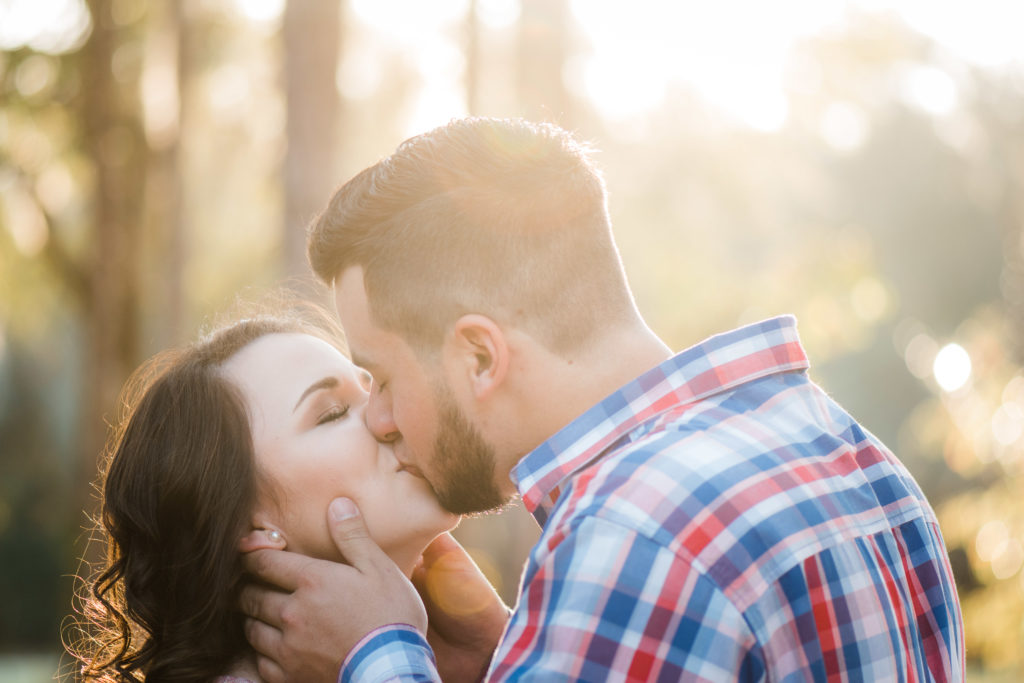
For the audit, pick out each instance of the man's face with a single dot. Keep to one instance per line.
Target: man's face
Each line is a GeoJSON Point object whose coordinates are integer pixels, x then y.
{"type": "Point", "coordinates": [411, 407]}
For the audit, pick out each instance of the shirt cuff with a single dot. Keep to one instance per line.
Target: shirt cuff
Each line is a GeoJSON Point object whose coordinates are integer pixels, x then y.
{"type": "Point", "coordinates": [395, 652]}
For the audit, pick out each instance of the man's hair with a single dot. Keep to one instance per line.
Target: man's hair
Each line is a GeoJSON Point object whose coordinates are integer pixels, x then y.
{"type": "Point", "coordinates": [505, 218]}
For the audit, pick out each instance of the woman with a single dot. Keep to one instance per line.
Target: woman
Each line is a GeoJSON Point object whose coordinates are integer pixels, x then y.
{"type": "Point", "coordinates": [255, 428]}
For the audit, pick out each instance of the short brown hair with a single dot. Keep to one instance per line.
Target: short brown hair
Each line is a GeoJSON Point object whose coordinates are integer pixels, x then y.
{"type": "Point", "coordinates": [501, 217]}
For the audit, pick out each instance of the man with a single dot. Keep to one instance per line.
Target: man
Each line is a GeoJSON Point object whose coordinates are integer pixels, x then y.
{"type": "Point", "coordinates": [710, 515]}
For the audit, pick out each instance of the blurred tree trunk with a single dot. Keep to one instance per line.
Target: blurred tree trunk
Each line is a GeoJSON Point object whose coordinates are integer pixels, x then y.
{"type": "Point", "coordinates": [473, 59]}
{"type": "Point", "coordinates": [1011, 158]}
{"type": "Point", "coordinates": [171, 70]}
{"type": "Point", "coordinates": [177, 244]}
{"type": "Point", "coordinates": [311, 43]}
{"type": "Point", "coordinates": [114, 140]}
{"type": "Point", "coordinates": [544, 38]}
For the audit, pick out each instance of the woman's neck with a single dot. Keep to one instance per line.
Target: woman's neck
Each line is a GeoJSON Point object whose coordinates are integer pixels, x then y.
{"type": "Point", "coordinates": [245, 668]}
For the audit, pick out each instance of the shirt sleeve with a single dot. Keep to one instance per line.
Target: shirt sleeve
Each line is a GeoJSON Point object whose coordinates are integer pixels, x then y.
{"type": "Point", "coordinates": [390, 654]}
{"type": "Point", "coordinates": [602, 602]}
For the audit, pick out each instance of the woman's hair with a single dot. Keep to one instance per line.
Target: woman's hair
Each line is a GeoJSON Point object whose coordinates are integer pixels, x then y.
{"type": "Point", "coordinates": [178, 485]}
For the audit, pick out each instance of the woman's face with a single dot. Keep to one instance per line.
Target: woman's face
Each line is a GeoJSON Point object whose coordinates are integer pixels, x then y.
{"type": "Point", "coordinates": [306, 404]}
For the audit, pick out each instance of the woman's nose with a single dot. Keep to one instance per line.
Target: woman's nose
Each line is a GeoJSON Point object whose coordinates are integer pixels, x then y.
{"type": "Point", "coordinates": [380, 418]}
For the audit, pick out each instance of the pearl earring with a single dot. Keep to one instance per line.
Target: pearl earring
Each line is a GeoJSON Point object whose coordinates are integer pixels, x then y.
{"type": "Point", "coordinates": [275, 536]}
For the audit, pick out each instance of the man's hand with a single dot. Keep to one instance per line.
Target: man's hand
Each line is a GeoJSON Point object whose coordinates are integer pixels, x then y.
{"type": "Point", "coordinates": [466, 616]}
{"type": "Point", "coordinates": [312, 612]}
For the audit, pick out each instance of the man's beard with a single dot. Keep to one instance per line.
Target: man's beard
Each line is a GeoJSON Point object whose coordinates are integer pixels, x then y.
{"type": "Point", "coordinates": [463, 462]}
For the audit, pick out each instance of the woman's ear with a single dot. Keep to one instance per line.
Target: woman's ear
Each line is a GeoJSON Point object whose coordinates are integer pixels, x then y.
{"type": "Point", "coordinates": [262, 535]}
{"type": "Point", "coordinates": [480, 353]}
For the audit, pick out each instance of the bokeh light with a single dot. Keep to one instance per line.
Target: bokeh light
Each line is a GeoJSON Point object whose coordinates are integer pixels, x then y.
{"type": "Point", "coordinates": [952, 367]}
{"type": "Point", "coordinates": [869, 299]}
{"type": "Point", "coordinates": [984, 32]}
{"type": "Point", "coordinates": [49, 26]}
{"type": "Point", "coordinates": [844, 126]}
{"type": "Point", "coordinates": [264, 11]}
{"type": "Point", "coordinates": [497, 14]}
{"type": "Point", "coordinates": [1008, 561]}
{"type": "Point", "coordinates": [929, 89]}
{"type": "Point", "coordinates": [26, 223]}
{"type": "Point", "coordinates": [991, 539]}
{"type": "Point", "coordinates": [1008, 424]}
{"type": "Point", "coordinates": [737, 54]}
{"type": "Point", "coordinates": [919, 355]}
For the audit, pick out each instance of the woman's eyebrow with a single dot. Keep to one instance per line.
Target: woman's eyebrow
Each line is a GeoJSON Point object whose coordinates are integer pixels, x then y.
{"type": "Point", "coordinates": [325, 383]}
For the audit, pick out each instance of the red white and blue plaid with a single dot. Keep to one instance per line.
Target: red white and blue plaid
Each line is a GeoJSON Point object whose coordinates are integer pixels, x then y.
{"type": "Point", "coordinates": [721, 518]}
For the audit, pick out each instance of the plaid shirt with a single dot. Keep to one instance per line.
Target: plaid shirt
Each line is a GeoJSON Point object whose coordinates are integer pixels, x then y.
{"type": "Point", "coordinates": [720, 518]}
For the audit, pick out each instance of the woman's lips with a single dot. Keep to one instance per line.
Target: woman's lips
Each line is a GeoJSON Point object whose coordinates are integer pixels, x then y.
{"type": "Point", "coordinates": [414, 471]}
{"type": "Point", "coordinates": [410, 469]}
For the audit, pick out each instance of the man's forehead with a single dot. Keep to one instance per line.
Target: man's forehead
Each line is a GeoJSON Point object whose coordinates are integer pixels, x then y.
{"type": "Point", "coordinates": [361, 350]}
{"type": "Point", "coordinates": [366, 342]}
{"type": "Point", "coordinates": [363, 361]}
{"type": "Point", "coordinates": [350, 294]}
{"type": "Point", "coordinates": [352, 307]}
{"type": "Point", "coordinates": [373, 349]}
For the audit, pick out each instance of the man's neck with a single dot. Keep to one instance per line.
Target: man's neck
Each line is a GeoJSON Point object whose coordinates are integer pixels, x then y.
{"type": "Point", "coordinates": [552, 390]}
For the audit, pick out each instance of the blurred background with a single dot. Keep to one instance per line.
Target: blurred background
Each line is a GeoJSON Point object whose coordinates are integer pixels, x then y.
{"type": "Point", "coordinates": [859, 164]}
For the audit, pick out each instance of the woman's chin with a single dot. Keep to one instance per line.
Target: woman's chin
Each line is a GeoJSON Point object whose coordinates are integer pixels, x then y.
{"type": "Point", "coordinates": [453, 521]}
{"type": "Point", "coordinates": [404, 552]}
{"type": "Point", "coordinates": [408, 556]}
{"type": "Point", "coordinates": [407, 559]}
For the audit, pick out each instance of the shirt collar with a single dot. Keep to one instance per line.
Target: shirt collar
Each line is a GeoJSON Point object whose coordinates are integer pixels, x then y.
{"type": "Point", "coordinates": [717, 364]}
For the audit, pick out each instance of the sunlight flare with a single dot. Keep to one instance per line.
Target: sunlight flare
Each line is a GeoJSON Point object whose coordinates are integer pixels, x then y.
{"type": "Point", "coordinates": [952, 367]}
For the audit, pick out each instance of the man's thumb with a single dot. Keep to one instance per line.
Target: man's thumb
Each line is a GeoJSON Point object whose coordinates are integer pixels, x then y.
{"type": "Point", "coordinates": [348, 530]}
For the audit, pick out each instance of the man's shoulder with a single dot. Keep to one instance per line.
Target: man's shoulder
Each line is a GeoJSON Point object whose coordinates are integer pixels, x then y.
{"type": "Point", "coordinates": [723, 484]}
{"type": "Point", "coordinates": [706, 448]}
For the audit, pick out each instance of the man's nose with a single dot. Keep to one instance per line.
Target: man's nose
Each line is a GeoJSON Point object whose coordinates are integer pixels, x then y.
{"type": "Point", "coordinates": [380, 418]}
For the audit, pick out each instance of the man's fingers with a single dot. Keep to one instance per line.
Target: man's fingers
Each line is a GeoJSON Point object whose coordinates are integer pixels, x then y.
{"type": "Point", "coordinates": [350, 535]}
{"type": "Point", "coordinates": [278, 567]}
{"type": "Point", "coordinates": [266, 640]}
{"type": "Point", "coordinates": [270, 672]}
{"type": "Point", "coordinates": [439, 547]}
{"type": "Point", "coordinates": [263, 603]}
{"type": "Point", "coordinates": [309, 613]}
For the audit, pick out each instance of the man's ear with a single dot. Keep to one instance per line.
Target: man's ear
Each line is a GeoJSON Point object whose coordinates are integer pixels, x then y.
{"type": "Point", "coordinates": [480, 353]}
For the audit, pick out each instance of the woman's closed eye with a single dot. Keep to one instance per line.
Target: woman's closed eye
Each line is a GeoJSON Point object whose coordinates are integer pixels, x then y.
{"type": "Point", "coordinates": [335, 412]}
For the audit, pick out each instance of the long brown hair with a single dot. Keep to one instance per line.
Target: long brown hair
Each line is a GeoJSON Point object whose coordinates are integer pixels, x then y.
{"type": "Point", "coordinates": [178, 485]}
